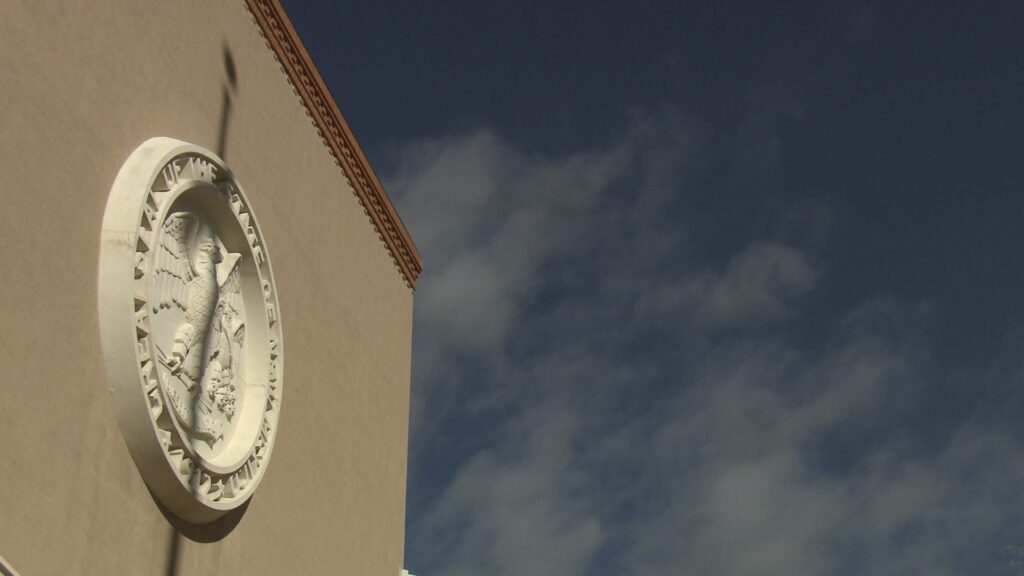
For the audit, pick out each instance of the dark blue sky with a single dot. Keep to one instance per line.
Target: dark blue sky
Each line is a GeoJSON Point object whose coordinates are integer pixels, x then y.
{"type": "Point", "coordinates": [702, 277]}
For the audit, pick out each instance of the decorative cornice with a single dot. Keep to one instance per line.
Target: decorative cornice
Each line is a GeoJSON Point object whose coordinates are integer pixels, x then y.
{"type": "Point", "coordinates": [284, 41]}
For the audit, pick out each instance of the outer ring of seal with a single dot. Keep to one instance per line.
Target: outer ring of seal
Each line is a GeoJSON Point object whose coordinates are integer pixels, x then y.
{"type": "Point", "coordinates": [130, 225]}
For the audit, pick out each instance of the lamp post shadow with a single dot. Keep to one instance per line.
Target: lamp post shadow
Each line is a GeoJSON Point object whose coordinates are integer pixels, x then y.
{"type": "Point", "coordinates": [202, 533]}
{"type": "Point", "coordinates": [231, 87]}
{"type": "Point", "coordinates": [221, 527]}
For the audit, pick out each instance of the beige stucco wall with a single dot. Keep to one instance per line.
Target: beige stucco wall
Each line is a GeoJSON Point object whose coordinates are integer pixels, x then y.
{"type": "Point", "coordinates": [83, 84]}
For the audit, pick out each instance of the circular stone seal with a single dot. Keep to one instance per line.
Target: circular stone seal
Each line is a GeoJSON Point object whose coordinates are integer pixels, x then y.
{"type": "Point", "coordinates": [190, 328]}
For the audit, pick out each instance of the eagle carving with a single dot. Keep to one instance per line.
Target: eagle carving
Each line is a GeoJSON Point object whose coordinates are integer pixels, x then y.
{"type": "Point", "coordinates": [196, 275]}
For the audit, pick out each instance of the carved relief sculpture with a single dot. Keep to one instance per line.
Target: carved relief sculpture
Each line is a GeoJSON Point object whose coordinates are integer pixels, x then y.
{"type": "Point", "coordinates": [191, 332]}
{"type": "Point", "coordinates": [194, 274]}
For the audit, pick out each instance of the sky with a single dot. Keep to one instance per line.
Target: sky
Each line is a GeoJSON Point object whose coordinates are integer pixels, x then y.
{"type": "Point", "coordinates": [728, 288]}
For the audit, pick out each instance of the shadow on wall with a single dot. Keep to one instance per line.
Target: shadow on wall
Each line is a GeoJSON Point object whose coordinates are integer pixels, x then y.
{"type": "Point", "coordinates": [231, 87]}
{"type": "Point", "coordinates": [220, 528]}
{"type": "Point", "coordinates": [203, 533]}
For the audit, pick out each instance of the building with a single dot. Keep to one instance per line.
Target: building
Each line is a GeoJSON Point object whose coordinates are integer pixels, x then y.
{"type": "Point", "coordinates": [85, 85]}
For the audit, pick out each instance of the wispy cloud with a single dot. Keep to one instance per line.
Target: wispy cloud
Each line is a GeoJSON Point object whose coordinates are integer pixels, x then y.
{"type": "Point", "coordinates": [610, 401]}
{"type": "Point", "coordinates": [757, 286]}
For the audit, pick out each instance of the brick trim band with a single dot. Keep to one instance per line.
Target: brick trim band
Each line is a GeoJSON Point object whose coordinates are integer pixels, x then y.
{"type": "Point", "coordinates": [284, 41]}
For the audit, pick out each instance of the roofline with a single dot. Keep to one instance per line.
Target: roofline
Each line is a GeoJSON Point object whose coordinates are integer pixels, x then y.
{"type": "Point", "coordinates": [284, 41]}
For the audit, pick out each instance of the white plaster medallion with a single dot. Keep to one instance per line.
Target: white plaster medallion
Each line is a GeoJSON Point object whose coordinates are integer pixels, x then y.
{"type": "Point", "coordinates": [190, 328]}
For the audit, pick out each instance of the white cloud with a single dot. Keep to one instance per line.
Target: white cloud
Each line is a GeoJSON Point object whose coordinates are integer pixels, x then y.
{"type": "Point", "coordinates": [523, 509]}
{"type": "Point", "coordinates": [489, 219]}
{"type": "Point", "coordinates": [649, 413]}
{"type": "Point", "coordinates": [757, 286]}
